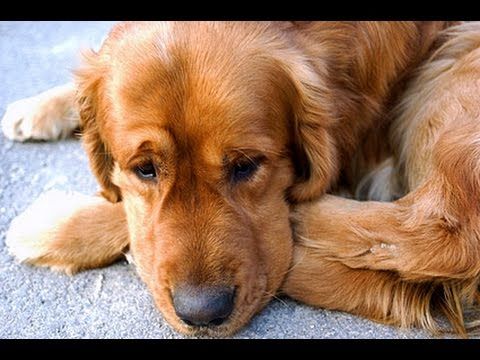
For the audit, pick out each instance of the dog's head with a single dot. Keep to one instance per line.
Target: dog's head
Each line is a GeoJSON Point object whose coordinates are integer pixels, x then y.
{"type": "Point", "coordinates": [207, 132]}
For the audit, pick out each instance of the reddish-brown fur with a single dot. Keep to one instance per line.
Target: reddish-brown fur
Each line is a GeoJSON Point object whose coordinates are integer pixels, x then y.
{"type": "Point", "coordinates": [313, 101]}
{"type": "Point", "coordinates": [428, 240]}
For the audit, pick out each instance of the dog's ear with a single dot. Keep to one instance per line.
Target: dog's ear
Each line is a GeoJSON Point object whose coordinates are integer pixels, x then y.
{"type": "Point", "coordinates": [312, 119]}
{"type": "Point", "coordinates": [89, 82]}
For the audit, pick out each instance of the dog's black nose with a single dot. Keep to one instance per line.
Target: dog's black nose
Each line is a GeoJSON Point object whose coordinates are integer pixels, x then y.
{"type": "Point", "coordinates": [202, 306]}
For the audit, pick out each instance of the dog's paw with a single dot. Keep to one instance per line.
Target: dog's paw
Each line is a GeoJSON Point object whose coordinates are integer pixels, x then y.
{"type": "Point", "coordinates": [32, 236]}
{"type": "Point", "coordinates": [29, 119]}
{"type": "Point", "coordinates": [47, 116]}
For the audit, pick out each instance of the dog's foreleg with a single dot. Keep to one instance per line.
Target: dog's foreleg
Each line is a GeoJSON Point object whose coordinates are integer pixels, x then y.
{"type": "Point", "coordinates": [377, 295]}
{"type": "Point", "coordinates": [425, 255]}
{"type": "Point", "coordinates": [50, 115]}
{"type": "Point", "coordinates": [418, 240]}
{"type": "Point", "coordinates": [69, 232]}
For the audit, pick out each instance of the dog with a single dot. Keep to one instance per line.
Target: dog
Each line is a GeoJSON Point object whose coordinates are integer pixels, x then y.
{"type": "Point", "coordinates": [334, 162]}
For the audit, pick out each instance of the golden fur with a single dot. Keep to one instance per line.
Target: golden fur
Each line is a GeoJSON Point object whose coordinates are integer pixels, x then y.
{"type": "Point", "coordinates": [313, 105]}
{"type": "Point", "coordinates": [428, 240]}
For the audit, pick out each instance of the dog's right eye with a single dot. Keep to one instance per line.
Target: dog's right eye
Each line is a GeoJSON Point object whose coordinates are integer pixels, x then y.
{"type": "Point", "coordinates": [146, 171]}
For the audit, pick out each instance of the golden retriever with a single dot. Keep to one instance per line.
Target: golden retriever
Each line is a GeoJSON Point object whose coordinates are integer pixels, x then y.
{"type": "Point", "coordinates": [215, 145]}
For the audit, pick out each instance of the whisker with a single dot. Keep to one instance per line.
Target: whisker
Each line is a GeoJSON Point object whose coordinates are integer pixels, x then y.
{"type": "Point", "coordinates": [294, 265]}
{"type": "Point", "coordinates": [248, 157]}
{"type": "Point", "coordinates": [283, 302]}
{"type": "Point", "coordinates": [307, 242]}
{"type": "Point", "coordinates": [278, 153]}
{"type": "Point", "coordinates": [101, 153]}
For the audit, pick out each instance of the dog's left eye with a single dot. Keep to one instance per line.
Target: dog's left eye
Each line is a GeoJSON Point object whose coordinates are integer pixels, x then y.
{"type": "Point", "coordinates": [244, 170]}
{"type": "Point", "coordinates": [146, 171]}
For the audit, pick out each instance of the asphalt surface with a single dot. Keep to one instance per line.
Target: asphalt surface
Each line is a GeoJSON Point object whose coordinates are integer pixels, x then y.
{"type": "Point", "coordinates": [110, 302]}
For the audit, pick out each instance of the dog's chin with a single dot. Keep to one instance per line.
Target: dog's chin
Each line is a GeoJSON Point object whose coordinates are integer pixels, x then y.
{"type": "Point", "coordinates": [240, 317]}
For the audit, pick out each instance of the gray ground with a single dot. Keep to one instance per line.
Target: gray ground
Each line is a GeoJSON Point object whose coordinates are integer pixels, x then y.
{"type": "Point", "coordinates": [110, 302]}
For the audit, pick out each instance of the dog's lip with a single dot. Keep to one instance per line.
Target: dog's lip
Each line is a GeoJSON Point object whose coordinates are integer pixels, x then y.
{"type": "Point", "coordinates": [222, 330]}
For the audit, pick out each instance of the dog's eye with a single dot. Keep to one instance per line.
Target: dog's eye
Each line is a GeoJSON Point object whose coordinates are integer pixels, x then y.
{"type": "Point", "coordinates": [146, 171]}
{"type": "Point", "coordinates": [244, 170]}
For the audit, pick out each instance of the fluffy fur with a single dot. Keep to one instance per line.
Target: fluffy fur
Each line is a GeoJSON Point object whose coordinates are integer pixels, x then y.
{"type": "Point", "coordinates": [429, 239]}
{"type": "Point", "coordinates": [313, 104]}
{"type": "Point", "coordinates": [68, 232]}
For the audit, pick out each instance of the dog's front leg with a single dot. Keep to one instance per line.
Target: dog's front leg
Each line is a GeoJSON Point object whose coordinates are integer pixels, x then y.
{"type": "Point", "coordinates": [50, 115]}
{"type": "Point", "coordinates": [378, 295]}
{"type": "Point", "coordinates": [389, 262]}
{"type": "Point", "coordinates": [357, 234]}
{"type": "Point", "coordinates": [408, 236]}
{"type": "Point", "coordinates": [69, 232]}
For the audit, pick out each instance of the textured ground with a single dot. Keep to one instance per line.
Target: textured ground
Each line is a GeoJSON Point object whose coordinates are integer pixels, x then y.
{"type": "Point", "coordinates": [110, 302]}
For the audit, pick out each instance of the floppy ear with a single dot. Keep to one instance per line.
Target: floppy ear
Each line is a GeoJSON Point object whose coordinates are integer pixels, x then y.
{"type": "Point", "coordinates": [89, 82]}
{"type": "Point", "coordinates": [314, 150]}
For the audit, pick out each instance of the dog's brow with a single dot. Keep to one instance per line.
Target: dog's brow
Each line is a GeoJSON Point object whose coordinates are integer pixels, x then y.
{"type": "Point", "coordinates": [158, 141]}
{"type": "Point", "coordinates": [269, 151]}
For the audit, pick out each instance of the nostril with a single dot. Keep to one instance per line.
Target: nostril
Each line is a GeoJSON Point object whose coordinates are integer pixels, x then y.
{"type": "Point", "coordinates": [203, 306]}
{"type": "Point", "coordinates": [218, 321]}
{"type": "Point", "coordinates": [186, 321]}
